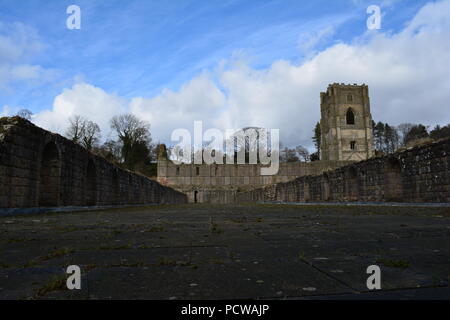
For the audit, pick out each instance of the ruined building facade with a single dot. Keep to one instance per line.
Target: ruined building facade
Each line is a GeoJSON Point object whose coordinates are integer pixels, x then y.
{"type": "Point", "coordinates": [346, 123]}
{"type": "Point", "coordinates": [219, 183]}
{"type": "Point", "coordinates": [346, 126]}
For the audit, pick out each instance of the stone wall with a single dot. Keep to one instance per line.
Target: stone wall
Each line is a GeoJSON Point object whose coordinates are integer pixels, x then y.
{"type": "Point", "coordinates": [42, 169]}
{"type": "Point", "coordinates": [218, 183]}
{"type": "Point", "coordinates": [420, 174]}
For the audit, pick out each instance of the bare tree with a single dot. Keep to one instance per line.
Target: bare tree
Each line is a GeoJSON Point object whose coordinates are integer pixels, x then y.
{"type": "Point", "coordinates": [391, 138]}
{"type": "Point", "coordinates": [91, 135]}
{"type": "Point", "coordinates": [302, 153]}
{"type": "Point", "coordinates": [404, 129]}
{"type": "Point", "coordinates": [291, 155]}
{"type": "Point", "coordinates": [130, 129]}
{"type": "Point", "coordinates": [135, 139]}
{"type": "Point", "coordinates": [24, 113]}
{"type": "Point", "coordinates": [76, 128]}
{"type": "Point", "coordinates": [83, 132]}
{"type": "Point", "coordinates": [109, 150]}
{"type": "Point", "coordinates": [288, 154]}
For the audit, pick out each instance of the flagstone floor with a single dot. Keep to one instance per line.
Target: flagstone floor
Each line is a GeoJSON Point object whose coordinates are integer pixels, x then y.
{"type": "Point", "coordinates": [266, 251]}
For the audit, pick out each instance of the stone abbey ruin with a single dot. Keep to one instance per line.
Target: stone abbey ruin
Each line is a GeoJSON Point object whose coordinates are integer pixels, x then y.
{"type": "Point", "coordinates": [421, 174]}
{"type": "Point", "coordinates": [219, 183]}
{"type": "Point", "coordinates": [42, 169]}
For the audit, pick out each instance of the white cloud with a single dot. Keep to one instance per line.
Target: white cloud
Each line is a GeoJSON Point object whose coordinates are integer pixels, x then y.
{"type": "Point", "coordinates": [199, 99]}
{"type": "Point", "coordinates": [6, 111]}
{"type": "Point", "coordinates": [19, 43]}
{"type": "Point", "coordinates": [82, 99]}
{"type": "Point", "coordinates": [407, 74]}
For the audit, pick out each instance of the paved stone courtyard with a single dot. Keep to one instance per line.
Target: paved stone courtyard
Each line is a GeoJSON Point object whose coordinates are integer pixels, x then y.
{"type": "Point", "coordinates": [267, 251]}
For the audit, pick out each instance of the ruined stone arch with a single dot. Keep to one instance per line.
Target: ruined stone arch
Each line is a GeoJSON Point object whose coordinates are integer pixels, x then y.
{"type": "Point", "coordinates": [91, 184]}
{"type": "Point", "coordinates": [351, 184]}
{"type": "Point", "coordinates": [50, 176]}
{"type": "Point", "coordinates": [306, 190]}
{"type": "Point", "coordinates": [393, 190]}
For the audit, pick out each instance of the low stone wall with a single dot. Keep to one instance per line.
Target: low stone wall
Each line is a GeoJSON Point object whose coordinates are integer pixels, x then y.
{"type": "Point", "coordinates": [420, 174]}
{"type": "Point", "coordinates": [42, 169]}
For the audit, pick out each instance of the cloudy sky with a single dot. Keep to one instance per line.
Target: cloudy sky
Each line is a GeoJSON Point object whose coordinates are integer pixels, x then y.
{"type": "Point", "coordinates": [230, 63]}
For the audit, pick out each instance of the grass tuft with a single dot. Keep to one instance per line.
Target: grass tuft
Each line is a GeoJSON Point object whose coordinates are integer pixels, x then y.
{"type": "Point", "coordinates": [403, 264]}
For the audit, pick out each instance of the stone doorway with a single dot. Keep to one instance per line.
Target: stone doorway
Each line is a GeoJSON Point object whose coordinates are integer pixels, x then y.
{"type": "Point", "coordinates": [195, 196]}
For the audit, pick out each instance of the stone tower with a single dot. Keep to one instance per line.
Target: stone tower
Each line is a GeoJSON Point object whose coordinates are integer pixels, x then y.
{"type": "Point", "coordinates": [346, 123]}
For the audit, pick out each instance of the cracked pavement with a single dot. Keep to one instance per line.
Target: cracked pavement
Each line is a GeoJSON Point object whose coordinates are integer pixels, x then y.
{"type": "Point", "coordinates": [202, 251]}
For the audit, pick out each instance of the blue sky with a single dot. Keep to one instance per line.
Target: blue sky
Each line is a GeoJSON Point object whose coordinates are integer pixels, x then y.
{"type": "Point", "coordinates": [137, 48]}
{"type": "Point", "coordinates": [142, 48]}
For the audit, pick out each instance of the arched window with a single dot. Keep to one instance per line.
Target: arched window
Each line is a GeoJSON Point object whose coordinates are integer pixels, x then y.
{"type": "Point", "coordinates": [353, 145]}
{"type": "Point", "coordinates": [350, 116]}
{"type": "Point", "coordinates": [349, 98]}
{"type": "Point", "coordinates": [178, 171]}
{"type": "Point", "coordinates": [197, 171]}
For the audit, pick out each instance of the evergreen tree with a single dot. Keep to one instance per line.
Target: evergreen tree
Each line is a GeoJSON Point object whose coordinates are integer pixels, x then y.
{"type": "Point", "coordinates": [440, 132]}
{"type": "Point", "coordinates": [317, 136]}
{"type": "Point", "coordinates": [417, 132]}
{"type": "Point", "coordinates": [378, 135]}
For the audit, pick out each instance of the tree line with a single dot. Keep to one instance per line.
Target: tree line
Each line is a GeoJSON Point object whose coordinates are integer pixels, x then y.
{"type": "Point", "coordinates": [389, 138]}
{"type": "Point", "coordinates": [131, 149]}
